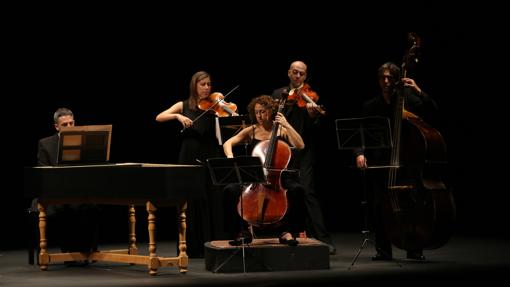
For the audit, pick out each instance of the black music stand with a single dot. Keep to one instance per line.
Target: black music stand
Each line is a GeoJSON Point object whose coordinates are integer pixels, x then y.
{"type": "Point", "coordinates": [362, 134]}
{"type": "Point", "coordinates": [240, 170]}
{"type": "Point", "coordinates": [227, 127]}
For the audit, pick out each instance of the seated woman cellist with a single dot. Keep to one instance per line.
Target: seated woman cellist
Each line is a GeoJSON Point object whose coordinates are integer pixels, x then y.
{"type": "Point", "coordinates": [270, 125]}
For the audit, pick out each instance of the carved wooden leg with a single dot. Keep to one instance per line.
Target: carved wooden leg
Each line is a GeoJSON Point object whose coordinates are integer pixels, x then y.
{"type": "Point", "coordinates": [133, 250]}
{"type": "Point", "coordinates": [43, 244]}
{"type": "Point", "coordinates": [183, 257]}
{"type": "Point", "coordinates": [154, 261]}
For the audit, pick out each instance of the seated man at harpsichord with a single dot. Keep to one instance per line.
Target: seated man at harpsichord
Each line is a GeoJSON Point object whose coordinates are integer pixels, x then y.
{"type": "Point", "coordinates": [74, 226]}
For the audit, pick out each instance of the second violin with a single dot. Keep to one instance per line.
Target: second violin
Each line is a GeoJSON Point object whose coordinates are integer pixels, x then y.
{"type": "Point", "coordinates": [215, 102]}
{"type": "Point", "coordinates": [304, 95]}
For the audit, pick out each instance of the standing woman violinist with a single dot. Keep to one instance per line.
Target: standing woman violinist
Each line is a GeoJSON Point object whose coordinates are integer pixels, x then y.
{"type": "Point", "coordinates": [263, 113]}
{"type": "Point", "coordinates": [305, 118]}
{"type": "Point", "coordinates": [417, 102]}
{"type": "Point", "coordinates": [199, 139]}
{"type": "Point", "coordinates": [198, 144]}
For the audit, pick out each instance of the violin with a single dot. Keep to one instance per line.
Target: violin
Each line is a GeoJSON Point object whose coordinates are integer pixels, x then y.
{"type": "Point", "coordinates": [215, 102]}
{"type": "Point", "coordinates": [302, 96]}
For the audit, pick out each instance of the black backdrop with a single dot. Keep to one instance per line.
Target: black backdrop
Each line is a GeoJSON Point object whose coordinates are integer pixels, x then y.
{"type": "Point", "coordinates": [125, 68]}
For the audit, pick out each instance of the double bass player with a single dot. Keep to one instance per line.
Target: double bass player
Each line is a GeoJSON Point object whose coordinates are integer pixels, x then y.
{"type": "Point", "coordinates": [417, 102]}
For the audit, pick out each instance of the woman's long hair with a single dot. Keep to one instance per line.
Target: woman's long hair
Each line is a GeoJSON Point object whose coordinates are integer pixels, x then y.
{"type": "Point", "coordinates": [193, 95]}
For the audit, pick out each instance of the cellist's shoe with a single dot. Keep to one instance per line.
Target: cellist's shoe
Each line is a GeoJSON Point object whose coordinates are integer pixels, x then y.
{"type": "Point", "coordinates": [243, 237]}
{"type": "Point", "coordinates": [383, 254]}
{"type": "Point", "coordinates": [292, 241]}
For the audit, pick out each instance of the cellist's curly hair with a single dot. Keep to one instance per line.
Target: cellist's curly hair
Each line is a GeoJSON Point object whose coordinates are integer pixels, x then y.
{"type": "Point", "coordinates": [264, 100]}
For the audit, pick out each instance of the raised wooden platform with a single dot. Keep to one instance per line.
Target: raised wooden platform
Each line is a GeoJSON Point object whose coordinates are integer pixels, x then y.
{"type": "Point", "coordinates": [266, 254]}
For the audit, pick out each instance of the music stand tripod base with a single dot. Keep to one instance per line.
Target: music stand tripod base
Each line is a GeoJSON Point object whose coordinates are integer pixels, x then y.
{"type": "Point", "coordinates": [361, 134]}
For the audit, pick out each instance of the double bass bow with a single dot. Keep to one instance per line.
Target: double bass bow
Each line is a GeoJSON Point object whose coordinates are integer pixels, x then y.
{"type": "Point", "coordinates": [419, 209]}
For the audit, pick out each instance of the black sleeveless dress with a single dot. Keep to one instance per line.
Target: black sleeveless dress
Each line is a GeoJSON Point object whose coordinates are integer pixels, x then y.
{"type": "Point", "coordinates": [198, 144]}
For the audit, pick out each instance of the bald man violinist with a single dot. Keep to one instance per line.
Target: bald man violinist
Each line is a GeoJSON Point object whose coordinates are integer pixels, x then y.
{"type": "Point", "coordinates": [304, 115]}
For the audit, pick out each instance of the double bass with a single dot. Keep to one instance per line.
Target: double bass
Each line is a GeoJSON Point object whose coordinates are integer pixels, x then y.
{"type": "Point", "coordinates": [263, 204]}
{"type": "Point", "coordinates": [419, 210]}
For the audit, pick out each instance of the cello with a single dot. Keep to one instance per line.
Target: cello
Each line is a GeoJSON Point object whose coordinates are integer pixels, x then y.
{"type": "Point", "coordinates": [418, 209]}
{"type": "Point", "coordinates": [266, 203]}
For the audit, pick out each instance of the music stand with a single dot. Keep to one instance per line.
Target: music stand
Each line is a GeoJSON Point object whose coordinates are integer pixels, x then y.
{"type": "Point", "coordinates": [84, 145]}
{"type": "Point", "coordinates": [362, 134]}
{"type": "Point", "coordinates": [240, 170]}
{"type": "Point", "coordinates": [227, 127]}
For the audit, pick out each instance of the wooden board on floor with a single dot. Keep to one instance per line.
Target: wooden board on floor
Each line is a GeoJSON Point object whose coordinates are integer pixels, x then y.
{"type": "Point", "coordinates": [266, 254]}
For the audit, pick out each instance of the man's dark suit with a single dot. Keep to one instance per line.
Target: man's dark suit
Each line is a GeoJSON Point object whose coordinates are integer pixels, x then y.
{"type": "Point", "coordinates": [47, 151]}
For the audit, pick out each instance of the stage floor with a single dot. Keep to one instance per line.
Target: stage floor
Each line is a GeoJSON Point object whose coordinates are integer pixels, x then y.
{"type": "Point", "coordinates": [463, 259]}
